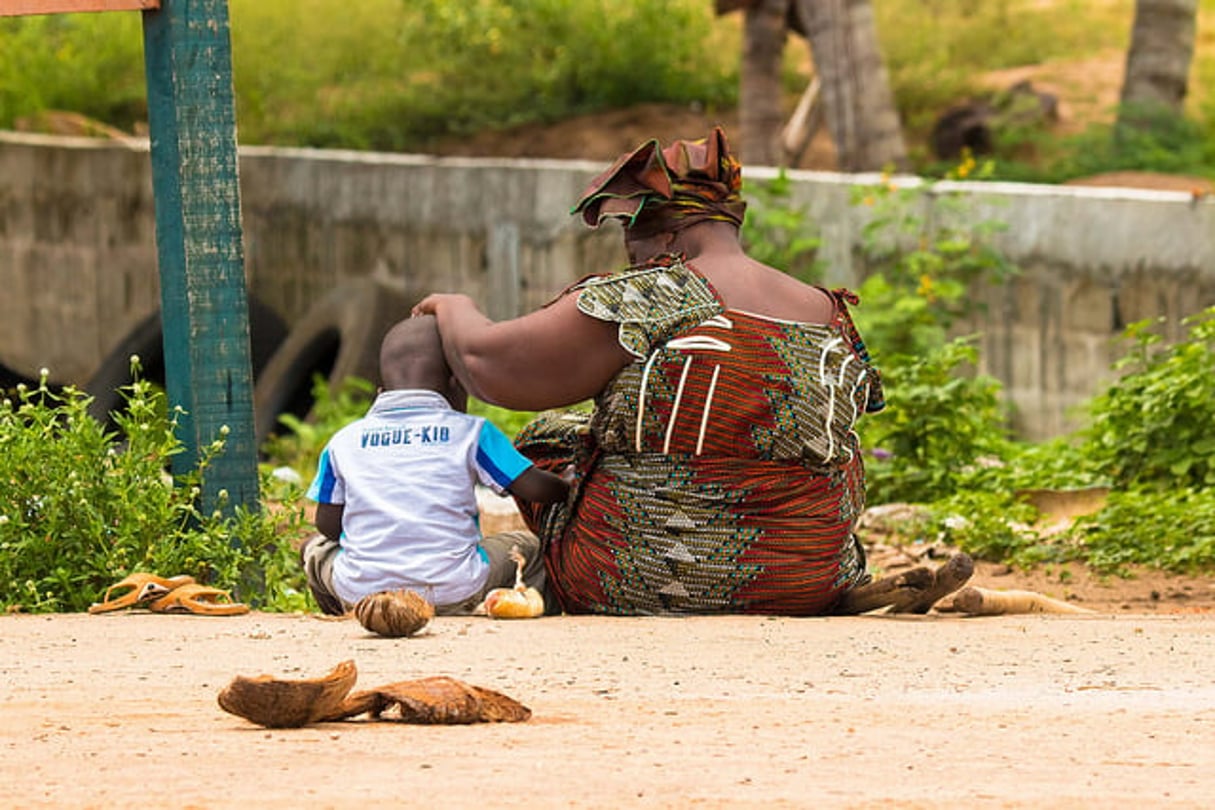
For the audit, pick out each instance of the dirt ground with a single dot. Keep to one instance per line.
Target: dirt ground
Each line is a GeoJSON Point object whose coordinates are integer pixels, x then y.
{"type": "Point", "coordinates": [860, 712]}
{"type": "Point", "coordinates": [1110, 709]}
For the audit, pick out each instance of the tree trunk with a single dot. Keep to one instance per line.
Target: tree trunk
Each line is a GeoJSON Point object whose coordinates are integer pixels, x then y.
{"type": "Point", "coordinates": [857, 101]}
{"type": "Point", "coordinates": [1158, 61]}
{"type": "Point", "coordinates": [760, 108]}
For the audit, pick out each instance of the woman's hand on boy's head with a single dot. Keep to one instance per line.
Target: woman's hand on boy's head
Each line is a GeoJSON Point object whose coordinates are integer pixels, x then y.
{"type": "Point", "coordinates": [430, 304]}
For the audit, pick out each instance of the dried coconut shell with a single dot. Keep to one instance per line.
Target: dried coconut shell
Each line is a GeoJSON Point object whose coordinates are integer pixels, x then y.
{"type": "Point", "coordinates": [394, 614]}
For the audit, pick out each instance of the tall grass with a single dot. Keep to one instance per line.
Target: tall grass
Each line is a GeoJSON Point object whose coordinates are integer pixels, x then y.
{"type": "Point", "coordinates": [398, 75]}
{"type": "Point", "coordinates": [86, 63]}
{"type": "Point", "coordinates": [936, 50]}
{"type": "Point", "coordinates": [390, 75]}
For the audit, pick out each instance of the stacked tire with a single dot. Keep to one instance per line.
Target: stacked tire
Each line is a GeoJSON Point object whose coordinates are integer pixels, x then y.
{"type": "Point", "coordinates": [339, 337]}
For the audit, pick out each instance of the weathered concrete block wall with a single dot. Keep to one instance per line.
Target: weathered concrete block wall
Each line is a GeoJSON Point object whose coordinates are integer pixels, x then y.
{"type": "Point", "coordinates": [77, 257]}
{"type": "Point", "coordinates": [497, 230]}
{"type": "Point", "coordinates": [77, 251]}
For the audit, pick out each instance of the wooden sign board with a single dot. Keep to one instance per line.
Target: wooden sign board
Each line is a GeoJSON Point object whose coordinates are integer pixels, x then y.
{"type": "Point", "coordinates": [18, 8]}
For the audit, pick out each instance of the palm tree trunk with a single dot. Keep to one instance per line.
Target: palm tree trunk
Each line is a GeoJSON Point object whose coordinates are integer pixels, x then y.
{"type": "Point", "coordinates": [760, 108]}
{"type": "Point", "coordinates": [1158, 60]}
{"type": "Point", "coordinates": [857, 101]}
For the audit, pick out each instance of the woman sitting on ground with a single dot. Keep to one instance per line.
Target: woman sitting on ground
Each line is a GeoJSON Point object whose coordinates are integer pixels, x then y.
{"type": "Point", "coordinates": [719, 471]}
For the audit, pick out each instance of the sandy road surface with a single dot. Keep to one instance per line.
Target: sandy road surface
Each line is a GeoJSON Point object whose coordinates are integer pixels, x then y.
{"type": "Point", "coordinates": [1039, 711]}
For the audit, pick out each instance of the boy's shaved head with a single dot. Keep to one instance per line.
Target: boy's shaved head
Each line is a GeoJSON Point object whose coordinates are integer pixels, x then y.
{"type": "Point", "coordinates": [411, 356]}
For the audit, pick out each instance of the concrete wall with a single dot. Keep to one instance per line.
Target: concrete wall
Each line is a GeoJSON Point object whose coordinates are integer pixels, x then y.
{"type": "Point", "coordinates": [77, 258]}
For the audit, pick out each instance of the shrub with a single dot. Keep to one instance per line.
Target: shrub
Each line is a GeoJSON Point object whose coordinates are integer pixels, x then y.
{"type": "Point", "coordinates": [924, 255]}
{"type": "Point", "coordinates": [1149, 439]}
{"type": "Point", "coordinates": [1172, 529]}
{"type": "Point", "coordinates": [1153, 426]}
{"type": "Point", "coordinates": [84, 507]}
{"type": "Point", "coordinates": [938, 424]}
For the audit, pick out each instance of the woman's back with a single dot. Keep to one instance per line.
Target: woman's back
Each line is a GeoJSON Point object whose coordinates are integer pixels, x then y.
{"type": "Point", "coordinates": [725, 475]}
{"type": "Point", "coordinates": [744, 284]}
{"type": "Point", "coordinates": [722, 382]}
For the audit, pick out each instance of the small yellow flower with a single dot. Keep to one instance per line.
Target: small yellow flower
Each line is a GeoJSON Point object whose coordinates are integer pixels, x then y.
{"type": "Point", "coordinates": [967, 166]}
{"type": "Point", "coordinates": [925, 289]}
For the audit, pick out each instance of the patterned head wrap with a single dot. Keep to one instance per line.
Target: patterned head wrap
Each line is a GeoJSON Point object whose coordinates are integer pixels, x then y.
{"type": "Point", "coordinates": [656, 191]}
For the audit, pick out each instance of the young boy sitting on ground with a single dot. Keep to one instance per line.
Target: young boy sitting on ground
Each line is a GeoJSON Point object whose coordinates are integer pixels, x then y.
{"type": "Point", "coordinates": [396, 496]}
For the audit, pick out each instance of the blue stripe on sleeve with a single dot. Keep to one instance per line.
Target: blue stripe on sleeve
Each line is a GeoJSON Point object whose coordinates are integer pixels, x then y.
{"type": "Point", "coordinates": [322, 486]}
{"type": "Point", "coordinates": [498, 457]}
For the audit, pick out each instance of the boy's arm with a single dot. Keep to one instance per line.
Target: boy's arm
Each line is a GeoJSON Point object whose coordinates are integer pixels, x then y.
{"type": "Point", "coordinates": [539, 486]}
{"type": "Point", "coordinates": [329, 519]}
{"type": "Point", "coordinates": [328, 491]}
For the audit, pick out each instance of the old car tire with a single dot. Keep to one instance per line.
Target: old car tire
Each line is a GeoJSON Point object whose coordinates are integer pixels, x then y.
{"type": "Point", "coordinates": [339, 337]}
{"type": "Point", "coordinates": [267, 331]}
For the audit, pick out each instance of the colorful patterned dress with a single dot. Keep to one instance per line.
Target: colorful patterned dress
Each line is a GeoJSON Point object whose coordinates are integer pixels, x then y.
{"type": "Point", "coordinates": [719, 473]}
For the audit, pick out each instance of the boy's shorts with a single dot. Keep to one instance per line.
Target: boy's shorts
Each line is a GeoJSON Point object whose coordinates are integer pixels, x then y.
{"type": "Point", "coordinates": [317, 556]}
{"type": "Point", "coordinates": [318, 552]}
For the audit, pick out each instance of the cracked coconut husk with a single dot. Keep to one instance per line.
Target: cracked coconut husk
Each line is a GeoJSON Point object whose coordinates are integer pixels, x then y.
{"type": "Point", "coordinates": [281, 703]}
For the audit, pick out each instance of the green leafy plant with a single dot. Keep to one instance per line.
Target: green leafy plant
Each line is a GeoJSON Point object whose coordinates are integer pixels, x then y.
{"type": "Point", "coordinates": [924, 255]}
{"type": "Point", "coordinates": [1173, 530]}
{"type": "Point", "coordinates": [1154, 425]}
{"type": "Point", "coordinates": [779, 233]}
{"type": "Point", "coordinates": [84, 507]}
{"type": "Point", "coordinates": [1148, 440]}
{"type": "Point", "coordinates": [938, 424]}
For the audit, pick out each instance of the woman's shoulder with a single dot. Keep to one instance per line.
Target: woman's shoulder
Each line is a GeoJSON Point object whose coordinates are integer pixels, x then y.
{"type": "Point", "coordinates": [645, 292]}
{"type": "Point", "coordinates": [649, 301]}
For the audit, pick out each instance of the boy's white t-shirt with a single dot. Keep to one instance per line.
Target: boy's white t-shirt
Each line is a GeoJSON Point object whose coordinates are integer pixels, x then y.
{"type": "Point", "coordinates": [406, 474]}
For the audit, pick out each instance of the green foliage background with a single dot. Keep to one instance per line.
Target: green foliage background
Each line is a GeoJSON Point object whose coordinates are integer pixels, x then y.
{"type": "Point", "coordinates": [399, 74]}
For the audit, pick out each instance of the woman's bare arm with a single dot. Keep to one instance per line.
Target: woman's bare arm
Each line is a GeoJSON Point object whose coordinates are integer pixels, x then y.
{"type": "Point", "coordinates": [550, 358]}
